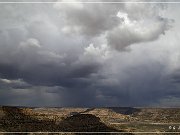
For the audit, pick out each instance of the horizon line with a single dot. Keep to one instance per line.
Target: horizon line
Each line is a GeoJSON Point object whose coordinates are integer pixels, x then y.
{"type": "Point", "coordinates": [150, 107]}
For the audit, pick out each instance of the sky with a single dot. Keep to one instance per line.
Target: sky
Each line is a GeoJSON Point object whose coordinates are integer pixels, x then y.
{"type": "Point", "coordinates": [90, 54]}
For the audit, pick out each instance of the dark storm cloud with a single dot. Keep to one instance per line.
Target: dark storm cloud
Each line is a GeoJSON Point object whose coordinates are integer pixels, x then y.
{"type": "Point", "coordinates": [140, 86]}
{"type": "Point", "coordinates": [37, 66]}
{"type": "Point", "coordinates": [175, 78]}
{"type": "Point", "coordinates": [73, 54]}
{"type": "Point", "coordinates": [15, 84]}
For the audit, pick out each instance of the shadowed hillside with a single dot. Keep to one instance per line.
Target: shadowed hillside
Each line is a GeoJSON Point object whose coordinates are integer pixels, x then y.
{"type": "Point", "coordinates": [15, 120]}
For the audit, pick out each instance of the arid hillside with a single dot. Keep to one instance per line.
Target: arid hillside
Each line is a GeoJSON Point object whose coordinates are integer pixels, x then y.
{"type": "Point", "coordinates": [106, 120]}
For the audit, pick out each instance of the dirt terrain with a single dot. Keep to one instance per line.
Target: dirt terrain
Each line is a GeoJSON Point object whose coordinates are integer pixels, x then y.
{"type": "Point", "coordinates": [79, 120]}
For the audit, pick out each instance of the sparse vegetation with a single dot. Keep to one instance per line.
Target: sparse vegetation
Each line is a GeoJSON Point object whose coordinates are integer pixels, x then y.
{"type": "Point", "coordinates": [14, 119]}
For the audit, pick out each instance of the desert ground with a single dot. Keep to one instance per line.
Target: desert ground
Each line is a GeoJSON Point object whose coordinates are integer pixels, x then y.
{"type": "Point", "coordinates": [109, 120]}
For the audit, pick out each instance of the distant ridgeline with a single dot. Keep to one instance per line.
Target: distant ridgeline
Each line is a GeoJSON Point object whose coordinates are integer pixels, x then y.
{"type": "Point", "coordinates": [125, 119]}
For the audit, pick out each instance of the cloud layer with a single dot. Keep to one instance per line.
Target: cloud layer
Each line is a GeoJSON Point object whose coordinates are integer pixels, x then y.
{"type": "Point", "coordinates": [82, 54]}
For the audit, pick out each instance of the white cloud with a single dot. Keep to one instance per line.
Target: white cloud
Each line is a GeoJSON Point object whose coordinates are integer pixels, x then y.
{"type": "Point", "coordinates": [31, 42]}
{"type": "Point", "coordinates": [137, 30]}
{"type": "Point", "coordinates": [101, 52]}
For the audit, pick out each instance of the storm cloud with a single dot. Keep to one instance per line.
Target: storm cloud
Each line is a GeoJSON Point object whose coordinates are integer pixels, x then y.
{"type": "Point", "coordinates": [97, 54]}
